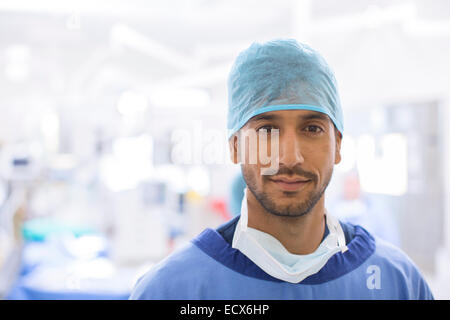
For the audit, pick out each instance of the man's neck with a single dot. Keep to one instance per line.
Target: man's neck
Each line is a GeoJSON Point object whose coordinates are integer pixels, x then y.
{"type": "Point", "coordinates": [299, 235]}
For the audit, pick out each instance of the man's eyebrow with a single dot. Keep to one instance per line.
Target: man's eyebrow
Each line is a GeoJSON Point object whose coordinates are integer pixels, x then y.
{"type": "Point", "coordinates": [265, 117]}
{"type": "Point", "coordinates": [314, 116]}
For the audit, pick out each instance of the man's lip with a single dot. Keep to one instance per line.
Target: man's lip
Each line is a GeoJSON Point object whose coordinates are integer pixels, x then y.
{"type": "Point", "coordinates": [292, 185]}
{"type": "Point", "coordinates": [284, 180]}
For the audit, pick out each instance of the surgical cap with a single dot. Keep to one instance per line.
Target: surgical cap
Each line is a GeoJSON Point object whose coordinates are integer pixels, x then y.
{"type": "Point", "coordinates": [281, 75]}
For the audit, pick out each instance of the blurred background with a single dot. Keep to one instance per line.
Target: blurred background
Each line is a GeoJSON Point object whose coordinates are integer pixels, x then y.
{"type": "Point", "coordinates": [113, 148]}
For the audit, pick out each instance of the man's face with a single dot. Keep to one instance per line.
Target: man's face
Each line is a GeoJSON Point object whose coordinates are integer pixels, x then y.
{"type": "Point", "coordinates": [308, 148]}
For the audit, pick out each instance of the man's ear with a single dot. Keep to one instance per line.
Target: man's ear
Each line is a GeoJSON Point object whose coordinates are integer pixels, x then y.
{"type": "Point", "coordinates": [233, 144]}
{"type": "Point", "coordinates": [338, 138]}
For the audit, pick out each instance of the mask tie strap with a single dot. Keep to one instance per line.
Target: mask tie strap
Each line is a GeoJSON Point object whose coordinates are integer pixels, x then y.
{"type": "Point", "coordinates": [336, 227]}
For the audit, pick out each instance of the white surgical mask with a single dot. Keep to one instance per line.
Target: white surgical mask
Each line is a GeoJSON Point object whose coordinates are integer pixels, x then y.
{"type": "Point", "coordinates": [271, 256]}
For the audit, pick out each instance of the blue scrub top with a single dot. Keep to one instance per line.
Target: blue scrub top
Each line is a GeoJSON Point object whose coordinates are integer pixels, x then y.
{"type": "Point", "coordinates": [209, 268]}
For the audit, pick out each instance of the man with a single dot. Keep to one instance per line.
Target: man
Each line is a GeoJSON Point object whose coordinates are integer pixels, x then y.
{"type": "Point", "coordinates": [286, 126]}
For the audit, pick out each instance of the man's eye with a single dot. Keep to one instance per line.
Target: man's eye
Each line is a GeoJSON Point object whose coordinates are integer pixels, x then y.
{"type": "Point", "coordinates": [313, 129]}
{"type": "Point", "coordinates": [267, 128]}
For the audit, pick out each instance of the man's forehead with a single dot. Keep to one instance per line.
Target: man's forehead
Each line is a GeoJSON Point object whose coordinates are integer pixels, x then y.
{"type": "Point", "coordinates": [302, 115]}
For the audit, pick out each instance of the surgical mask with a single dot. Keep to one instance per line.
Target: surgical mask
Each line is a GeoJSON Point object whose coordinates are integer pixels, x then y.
{"type": "Point", "coordinates": [271, 256]}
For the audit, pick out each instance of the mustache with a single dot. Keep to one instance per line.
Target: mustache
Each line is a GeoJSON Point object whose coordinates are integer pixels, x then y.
{"type": "Point", "coordinates": [296, 171]}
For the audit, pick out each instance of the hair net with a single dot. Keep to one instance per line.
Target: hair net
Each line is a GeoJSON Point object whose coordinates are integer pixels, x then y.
{"type": "Point", "coordinates": [281, 75]}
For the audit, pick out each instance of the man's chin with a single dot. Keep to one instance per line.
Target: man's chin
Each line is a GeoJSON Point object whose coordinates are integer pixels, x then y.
{"type": "Point", "coordinates": [287, 210]}
{"type": "Point", "coordinates": [282, 204]}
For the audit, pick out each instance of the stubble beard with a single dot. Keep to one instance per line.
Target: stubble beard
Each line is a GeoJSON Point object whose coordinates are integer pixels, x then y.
{"type": "Point", "coordinates": [293, 209]}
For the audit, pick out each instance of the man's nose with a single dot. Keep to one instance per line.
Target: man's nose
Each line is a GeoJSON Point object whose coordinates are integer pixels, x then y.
{"type": "Point", "coordinates": [290, 149]}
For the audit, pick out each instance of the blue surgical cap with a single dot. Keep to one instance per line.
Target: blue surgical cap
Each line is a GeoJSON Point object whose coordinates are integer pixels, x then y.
{"type": "Point", "coordinates": [281, 75]}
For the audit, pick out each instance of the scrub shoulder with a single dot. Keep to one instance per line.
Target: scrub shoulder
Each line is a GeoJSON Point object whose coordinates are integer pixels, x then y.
{"type": "Point", "coordinates": [174, 275]}
{"type": "Point", "coordinates": [395, 265]}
